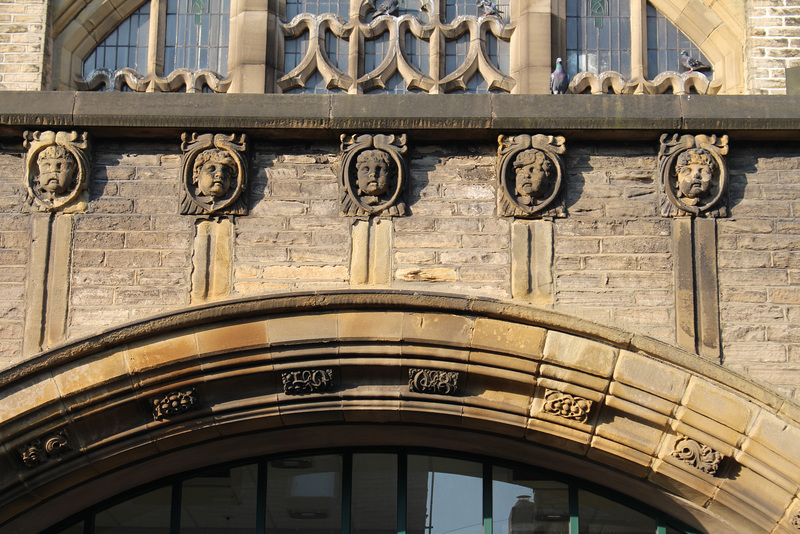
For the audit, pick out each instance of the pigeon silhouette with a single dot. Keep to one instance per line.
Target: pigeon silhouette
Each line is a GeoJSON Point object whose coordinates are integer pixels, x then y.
{"type": "Point", "coordinates": [488, 8]}
{"type": "Point", "coordinates": [559, 81]}
{"type": "Point", "coordinates": [692, 64]}
{"type": "Point", "coordinates": [387, 7]}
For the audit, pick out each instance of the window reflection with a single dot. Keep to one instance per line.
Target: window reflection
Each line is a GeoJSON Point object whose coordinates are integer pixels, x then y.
{"type": "Point", "coordinates": [374, 501]}
{"type": "Point", "coordinates": [599, 515]}
{"type": "Point", "coordinates": [223, 501]}
{"type": "Point", "coordinates": [148, 513]}
{"type": "Point", "coordinates": [526, 503]}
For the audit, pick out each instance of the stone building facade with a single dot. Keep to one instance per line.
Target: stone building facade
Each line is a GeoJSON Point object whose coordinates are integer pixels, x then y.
{"type": "Point", "coordinates": [602, 283]}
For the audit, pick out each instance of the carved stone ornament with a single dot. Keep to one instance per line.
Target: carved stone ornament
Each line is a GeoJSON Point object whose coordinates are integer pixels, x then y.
{"type": "Point", "coordinates": [694, 175]}
{"type": "Point", "coordinates": [57, 169]}
{"type": "Point", "coordinates": [566, 405]}
{"type": "Point", "coordinates": [307, 381]}
{"type": "Point", "coordinates": [795, 521]}
{"type": "Point", "coordinates": [214, 174]}
{"type": "Point", "coordinates": [175, 403]}
{"type": "Point", "coordinates": [530, 173]}
{"type": "Point", "coordinates": [433, 381]}
{"type": "Point", "coordinates": [46, 448]}
{"type": "Point", "coordinates": [697, 455]}
{"type": "Point", "coordinates": [373, 175]}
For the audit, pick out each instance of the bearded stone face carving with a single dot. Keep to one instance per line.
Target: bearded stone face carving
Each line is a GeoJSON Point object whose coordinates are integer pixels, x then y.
{"type": "Point", "coordinates": [57, 169]}
{"type": "Point", "coordinates": [694, 175]}
{"type": "Point", "coordinates": [214, 174]}
{"type": "Point", "coordinates": [530, 176]}
{"type": "Point", "coordinates": [373, 175]}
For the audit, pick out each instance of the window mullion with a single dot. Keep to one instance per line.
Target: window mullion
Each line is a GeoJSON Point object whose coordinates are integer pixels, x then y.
{"type": "Point", "coordinates": [638, 39]}
{"type": "Point", "coordinates": [155, 50]}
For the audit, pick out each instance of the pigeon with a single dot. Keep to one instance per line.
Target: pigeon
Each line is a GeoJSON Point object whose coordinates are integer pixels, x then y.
{"type": "Point", "coordinates": [488, 8]}
{"type": "Point", "coordinates": [387, 7]}
{"type": "Point", "coordinates": [692, 64]}
{"type": "Point", "coordinates": [559, 81]}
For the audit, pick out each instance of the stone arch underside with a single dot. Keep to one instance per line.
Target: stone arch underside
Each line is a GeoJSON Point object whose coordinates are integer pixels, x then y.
{"type": "Point", "coordinates": [510, 362]}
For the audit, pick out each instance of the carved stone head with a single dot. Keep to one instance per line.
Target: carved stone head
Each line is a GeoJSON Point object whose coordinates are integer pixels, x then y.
{"type": "Point", "coordinates": [57, 169]}
{"type": "Point", "coordinates": [530, 171]}
{"type": "Point", "coordinates": [214, 174]}
{"type": "Point", "coordinates": [373, 175]}
{"type": "Point", "coordinates": [695, 169]}
{"type": "Point", "coordinates": [693, 175]}
{"type": "Point", "coordinates": [533, 176]}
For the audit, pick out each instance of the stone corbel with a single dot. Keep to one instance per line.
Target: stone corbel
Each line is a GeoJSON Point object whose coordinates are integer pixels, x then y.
{"type": "Point", "coordinates": [373, 175]}
{"type": "Point", "coordinates": [214, 174]}
{"type": "Point", "coordinates": [57, 170]}
{"type": "Point", "coordinates": [531, 176]}
{"type": "Point", "coordinates": [693, 175]}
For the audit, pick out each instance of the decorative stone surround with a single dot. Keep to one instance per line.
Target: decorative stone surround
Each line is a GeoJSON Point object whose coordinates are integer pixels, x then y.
{"type": "Point", "coordinates": [57, 169]}
{"type": "Point", "coordinates": [373, 175]}
{"type": "Point", "coordinates": [214, 174]}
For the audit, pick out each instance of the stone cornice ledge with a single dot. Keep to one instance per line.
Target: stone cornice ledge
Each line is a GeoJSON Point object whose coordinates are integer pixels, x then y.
{"type": "Point", "coordinates": [438, 116]}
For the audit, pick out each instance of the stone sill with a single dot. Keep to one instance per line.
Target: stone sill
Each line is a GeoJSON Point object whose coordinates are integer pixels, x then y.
{"type": "Point", "coordinates": [434, 117]}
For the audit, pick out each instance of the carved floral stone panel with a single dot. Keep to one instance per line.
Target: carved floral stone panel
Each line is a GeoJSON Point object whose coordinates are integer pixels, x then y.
{"type": "Point", "coordinates": [45, 448]}
{"type": "Point", "coordinates": [57, 169]}
{"type": "Point", "coordinates": [693, 175]}
{"type": "Point", "coordinates": [697, 455]}
{"type": "Point", "coordinates": [307, 381]}
{"type": "Point", "coordinates": [214, 174]}
{"type": "Point", "coordinates": [566, 405]}
{"type": "Point", "coordinates": [433, 381]}
{"type": "Point", "coordinates": [530, 175]}
{"type": "Point", "coordinates": [373, 175]}
{"type": "Point", "coordinates": [175, 403]}
{"type": "Point", "coordinates": [795, 522]}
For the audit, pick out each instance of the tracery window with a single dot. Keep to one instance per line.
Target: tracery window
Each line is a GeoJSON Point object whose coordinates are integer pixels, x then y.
{"type": "Point", "coordinates": [600, 38]}
{"type": "Point", "coordinates": [433, 46]}
{"type": "Point", "coordinates": [164, 44]}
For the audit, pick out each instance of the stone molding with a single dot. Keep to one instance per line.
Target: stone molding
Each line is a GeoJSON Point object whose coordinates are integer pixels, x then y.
{"type": "Point", "coordinates": [519, 157]}
{"type": "Point", "coordinates": [175, 403]}
{"type": "Point", "coordinates": [611, 82]}
{"type": "Point", "coordinates": [643, 392]}
{"type": "Point", "coordinates": [433, 381]}
{"type": "Point", "coordinates": [44, 449]}
{"type": "Point", "coordinates": [227, 151]}
{"type": "Point", "coordinates": [65, 189]}
{"type": "Point", "coordinates": [307, 381]}
{"type": "Point", "coordinates": [693, 153]}
{"type": "Point", "coordinates": [363, 155]}
{"type": "Point", "coordinates": [697, 455]}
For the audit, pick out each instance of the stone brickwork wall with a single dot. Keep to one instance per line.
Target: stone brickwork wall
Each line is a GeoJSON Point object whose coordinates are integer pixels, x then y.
{"type": "Point", "coordinates": [22, 44]}
{"type": "Point", "coordinates": [613, 257]}
{"type": "Point", "coordinates": [15, 236]}
{"type": "Point", "coordinates": [131, 251]}
{"type": "Point", "coordinates": [759, 268]}
{"type": "Point", "coordinates": [773, 44]}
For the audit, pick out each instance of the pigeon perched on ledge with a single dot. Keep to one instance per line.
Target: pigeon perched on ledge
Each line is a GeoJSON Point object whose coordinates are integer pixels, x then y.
{"type": "Point", "coordinates": [387, 7]}
{"type": "Point", "coordinates": [488, 8]}
{"type": "Point", "coordinates": [692, 64]}
{"type": "Point", "coordinates": [559, 81]}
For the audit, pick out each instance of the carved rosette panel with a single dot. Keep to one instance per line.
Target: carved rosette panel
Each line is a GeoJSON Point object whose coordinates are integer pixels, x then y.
{"type": "Point", "coordinates": [693, 175]}
{"type": "Point", "coordinates": [175, 403]}
{"type": "Point", "coordinates": [795, 521]}
{"type": "Point", "coordinates": [530, 174]}
{"type": "Point", "coordinates": [697, 455]}
{"type": "Point", "coordinates": [45, 448]}
{"type": "Point", "coordinates": [214, 174]}
{"type": "Point", "coordinates": [307, 381]}
{"type": "Point", "coordinates": [373, 175]}
{"type": "Point", "coordinates": [433, 381]}
{"type": "Point", "coordinates": [56, 169]}
{"type": "Point", "coordinates": [566, 405]}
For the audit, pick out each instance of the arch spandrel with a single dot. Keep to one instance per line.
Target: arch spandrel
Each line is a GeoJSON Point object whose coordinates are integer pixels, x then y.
{"type": "Point", "coordinates": [687, 436]}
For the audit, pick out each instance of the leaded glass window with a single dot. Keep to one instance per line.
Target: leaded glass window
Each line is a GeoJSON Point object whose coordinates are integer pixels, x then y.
{"type": "Point", "coordinates": [665, 43]}
{"type": "Point", "coordinates": [598, 36]}
{"type": "Point", "coordinates": [126, 46]}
